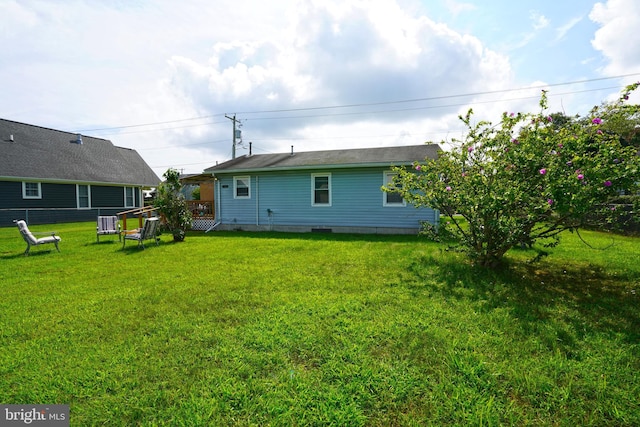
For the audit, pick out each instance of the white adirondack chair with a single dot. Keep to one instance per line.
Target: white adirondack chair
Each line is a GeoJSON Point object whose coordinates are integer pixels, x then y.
{"type": "Point", "coordinates": [32, 240]}
{"type": "Point", "coordinates": [108, 225]}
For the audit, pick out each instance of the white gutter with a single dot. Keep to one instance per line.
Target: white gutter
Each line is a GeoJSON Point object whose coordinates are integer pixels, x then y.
{"type": "Point", "coordinates": [257, 201]}
{"type": "Point", "coordinates": [216, 203]}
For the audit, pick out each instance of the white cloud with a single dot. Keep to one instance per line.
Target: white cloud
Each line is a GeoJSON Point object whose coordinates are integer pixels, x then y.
{"type": "Point", "coordinates": [456, 7]}
{"type": "Point", "coordinates": [562, 30]}
{"type": "Point", "coordinates": [538, 20]}
{"type": "Point", "coordinates": [349, 54]}
{"type": "Point", "coordinates": [618, 38]}
{"type": "Point", "coordinates": [87, 65]}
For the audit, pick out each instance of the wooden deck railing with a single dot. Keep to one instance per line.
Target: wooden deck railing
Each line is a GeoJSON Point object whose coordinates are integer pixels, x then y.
{"type": "Point", "coordinates": [201, 208]}
{"type": "Point", "coordinates": [139, 212]}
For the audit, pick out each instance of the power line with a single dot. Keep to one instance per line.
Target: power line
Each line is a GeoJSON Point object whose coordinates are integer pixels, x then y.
{"type": "Point", "coordinates": [430, 107]}
{"type": "Point", "coordinates": [184, 145]}
{"type": "Point", "coordinates": [360, 104]}
{"type": "Point", "coordinates": [433, 98]}
{"type": "Point", "coordinates": [147, 130]}
{"type": "Point", "coordinates": [368, 112]}
{"type": "Point", "coordinates": [371, 112]}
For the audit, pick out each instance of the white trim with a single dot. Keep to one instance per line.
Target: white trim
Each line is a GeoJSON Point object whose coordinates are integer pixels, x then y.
{"type": "Point", "coordinates": [133, 194]}
{"type": "Point", "coordinates": [78, 196]}
{"type": "Point", "coordinates": [24, 190]}
{"type": "Point", "coordinates": [386, 181]}
{"type": "Point", "coordinates": [246, 179]}
{"type": "Point", "coordinates": [313, 189]}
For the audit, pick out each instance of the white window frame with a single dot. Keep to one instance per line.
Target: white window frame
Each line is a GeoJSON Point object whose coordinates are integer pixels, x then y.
{"type": "Point", "coordinates": [387, 178]}
{"type": "Point", "coordinates": [313, 189]}
{"type": "Point", "coordinates": [247, 180]}
{"type": "Point", "coordinates": [24, 190]}
{"type": "Point", "coordinates": [133, 196]}
{"type": "Point", "coordinates": [78, 196]}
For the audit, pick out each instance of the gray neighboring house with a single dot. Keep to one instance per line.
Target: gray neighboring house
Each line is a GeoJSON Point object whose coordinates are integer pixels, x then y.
{"type": "Point", "coordinates": [333, 190]}
{"type": "Point", "coordinates": [49, 176]}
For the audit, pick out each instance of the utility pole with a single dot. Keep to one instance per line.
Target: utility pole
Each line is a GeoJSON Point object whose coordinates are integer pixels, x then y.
{"type": "Point", "coordinates": [233, 139]}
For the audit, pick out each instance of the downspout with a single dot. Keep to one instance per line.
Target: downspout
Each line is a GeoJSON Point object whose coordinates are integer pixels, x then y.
{"type": "Point", "coordinates": [216, 203]}
{"type": "Point", "coordinates": [257, 202]}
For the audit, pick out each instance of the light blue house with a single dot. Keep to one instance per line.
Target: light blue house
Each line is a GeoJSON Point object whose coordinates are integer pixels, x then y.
{"type": "Point", "coordinates": [323, 191]}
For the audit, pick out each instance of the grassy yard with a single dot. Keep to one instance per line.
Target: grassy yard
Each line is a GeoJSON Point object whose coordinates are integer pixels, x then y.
{"type": "Point", "coordinates": [311, 329]}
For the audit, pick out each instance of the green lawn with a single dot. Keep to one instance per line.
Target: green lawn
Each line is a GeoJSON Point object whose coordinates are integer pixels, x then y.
{"type": "Point", "coordinates": [313, 329]}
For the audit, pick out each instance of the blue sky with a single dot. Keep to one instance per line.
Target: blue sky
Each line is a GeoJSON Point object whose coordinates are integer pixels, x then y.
{"type": "Point", "coordinates": [159, 76]}
{"type": "Point", "coordinates": [557, 32]}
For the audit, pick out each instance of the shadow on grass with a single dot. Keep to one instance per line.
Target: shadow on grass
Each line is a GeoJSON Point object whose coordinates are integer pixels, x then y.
{"type": "Point", "coordinates": [337, 237]}
{"type": "Point", "coordinates": [587, 298]}
{"type": "Point", "coordinates": [32, 253]}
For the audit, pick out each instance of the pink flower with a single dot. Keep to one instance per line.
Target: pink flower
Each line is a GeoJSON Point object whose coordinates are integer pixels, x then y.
{"type": "Point", "coordinates": [512, 114]}
{"type": "Point", "coordinates": [560, 145]}
{"type": "Point", "coordinates": [596, 121]}
{"type": "Point", "coordinates": [599, 132]}
{"type": "Point", "coordinates": [418, 167]}
{"type": "Point", "coordinates": [607, 183]}
{"type": "Point", "coordinates": [448, 188]}
{"type": "Point", "coordinates": [543, 171]}
{"type": "Point", "coordinates": [470, 149]}
{"type": "Point", "coordinates": [515, 141]}
{"type": "Point", "coordinates": [580, 176]}
{"type": "Point", "coordinates": [550, 201]}
{"type": "Point", "coordinates": [549, 118]}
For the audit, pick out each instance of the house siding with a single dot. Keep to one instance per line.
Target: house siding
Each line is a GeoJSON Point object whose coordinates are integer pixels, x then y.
{"type": "Point", "coordinates": [59, 203]}
{"type": "Point", "coordinates": [356, 202]}
{"type": "Point", "coordinates": [105, 196]}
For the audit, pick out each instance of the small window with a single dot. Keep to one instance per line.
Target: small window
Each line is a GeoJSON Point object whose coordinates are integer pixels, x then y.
{"type": "Point", "coordinates": [129, 197]}
{"type": "Point", "coordinates": [321, 189]}
{"type": "Point", "coordinates": [84, 196]}
{"type": "Point", "coordinates": [242, 187]}
{"type": "Point", "coordinates": [391, 198]}
{"type": "Point", "coordinates": [31, 190]}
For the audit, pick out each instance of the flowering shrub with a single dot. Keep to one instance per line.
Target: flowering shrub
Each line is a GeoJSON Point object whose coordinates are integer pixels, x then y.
{"type": "Point", "coordinates": [172, 205]}
{"type": "Point", "coordinates": [526, 179]}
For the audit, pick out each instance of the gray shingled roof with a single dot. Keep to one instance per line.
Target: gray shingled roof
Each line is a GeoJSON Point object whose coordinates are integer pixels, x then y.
{"type": "Point", "coordinates": [52, 155]}
{"type": "Point", "coordinates": [357, 157]}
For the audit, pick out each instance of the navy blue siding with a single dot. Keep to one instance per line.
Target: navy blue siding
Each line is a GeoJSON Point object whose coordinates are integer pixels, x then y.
{"type": "Point", "coordinates": [59, 203]}
{"type": "Point", "coordinates": [105, 196]}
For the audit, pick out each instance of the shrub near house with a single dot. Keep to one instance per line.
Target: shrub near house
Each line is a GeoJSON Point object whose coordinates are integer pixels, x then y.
{"type": "Point", "coordinates": [527, 179]}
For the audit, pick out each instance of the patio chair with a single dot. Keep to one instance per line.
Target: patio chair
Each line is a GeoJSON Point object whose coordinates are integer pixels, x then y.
{"type": "Point", "coordinates": [108, 225]}
{"type": "Point", "coordinates": [148, 231]}
{"type": "Point", "coordinates": [31, 240]}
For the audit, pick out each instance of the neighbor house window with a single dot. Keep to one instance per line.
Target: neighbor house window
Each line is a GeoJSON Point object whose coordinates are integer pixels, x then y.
{"type": "Point", "coordinates": [129, 197]}
{"type": "Point", "coordinates": [391, 198]}
{"type": "Point", "coordinates": [31, 190]}
{"type": "Point", "coordinates": [84, 196]}
{"type": "Point", "coordinates": [321, 189]}
{"type": "Point", "coordinates": [242, 187]}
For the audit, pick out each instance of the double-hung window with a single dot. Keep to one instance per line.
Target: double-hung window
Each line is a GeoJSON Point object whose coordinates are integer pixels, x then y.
{"type": "Point", "coordinates": [321, 189]}
{"type": "Point", "coordinates": [241, 187]}
{"type": "Point", "coordinates": [31, 190]}
{"type": "Point", "coordinates": [391, 198]}
{"type": "Point", "coordinates": [83, 193]}
{"type": "Point", "coordinates": [129, 197]}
